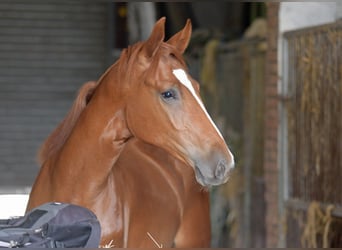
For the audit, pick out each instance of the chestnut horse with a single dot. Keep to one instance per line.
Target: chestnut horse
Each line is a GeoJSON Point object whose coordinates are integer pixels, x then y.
{"type": "Point", "coordinates": [132, 147]}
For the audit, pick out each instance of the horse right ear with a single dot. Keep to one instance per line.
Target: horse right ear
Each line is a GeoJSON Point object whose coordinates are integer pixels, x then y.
{"type": "Point", "coordinates": [182, 38]}
{"type": "Point", "coordinates": [156, 38]}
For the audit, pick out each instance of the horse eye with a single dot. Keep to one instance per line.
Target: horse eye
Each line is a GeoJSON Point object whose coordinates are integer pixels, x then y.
{"type": "Point", "coordinates": [169, 94]}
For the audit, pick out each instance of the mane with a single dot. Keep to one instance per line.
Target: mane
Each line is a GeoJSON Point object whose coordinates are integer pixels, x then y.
{"type": "Point", "coordinates": [128, 58]}
{"type": "Point", "coordinates": [171, 50]}
{"type": "Point", "coordinates": [58, 137]}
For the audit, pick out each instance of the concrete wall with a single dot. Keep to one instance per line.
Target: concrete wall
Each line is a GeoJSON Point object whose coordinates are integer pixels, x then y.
{"type": "Point", "coordinates": [339, 10]}
{"type": "Point", "coordinates": [297, 15]}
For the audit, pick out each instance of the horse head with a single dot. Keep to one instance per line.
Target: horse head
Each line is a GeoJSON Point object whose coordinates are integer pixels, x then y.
{"type": "Point", "coordinates": [162, 105]}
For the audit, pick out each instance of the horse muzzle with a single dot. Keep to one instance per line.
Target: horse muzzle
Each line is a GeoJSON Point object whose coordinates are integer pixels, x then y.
{"type": "Point", "coordinates": [215, 172]}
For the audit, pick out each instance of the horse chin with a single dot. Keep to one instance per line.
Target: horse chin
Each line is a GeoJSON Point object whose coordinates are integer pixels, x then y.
{"type": "Point", "coordinates": [208, 181]}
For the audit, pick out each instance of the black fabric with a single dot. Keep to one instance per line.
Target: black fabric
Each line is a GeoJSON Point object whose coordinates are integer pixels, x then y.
{"type": "Point", "coordinates": [52, 225]}
{"type": "Point", "coordinates": [32, 218]}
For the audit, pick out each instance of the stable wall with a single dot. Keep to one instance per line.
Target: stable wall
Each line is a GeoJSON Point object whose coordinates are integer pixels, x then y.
{"type": "Point", "coordinates": [282, 17]}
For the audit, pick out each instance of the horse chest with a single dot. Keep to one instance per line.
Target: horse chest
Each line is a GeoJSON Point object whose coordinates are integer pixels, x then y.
{"type": "Point", "coordinates": [143, 210]}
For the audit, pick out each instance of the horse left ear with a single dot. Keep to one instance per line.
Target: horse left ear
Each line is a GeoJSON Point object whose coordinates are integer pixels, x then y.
{"type": "Point", "coordinates": [181, 39]}
{"type": "Point", "coordinates": [156, 38]}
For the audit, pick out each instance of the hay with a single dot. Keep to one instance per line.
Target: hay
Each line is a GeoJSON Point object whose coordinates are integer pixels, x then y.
{"type": "Point", "coordinates": [108, 245]}
{"type": "Point", "coordinates": [317, 226]}
{"type": "Point", "coordinates": [154, 241]}
{"type": "Point", "coordinates": [111, 243]}
{"type": "Point", "coordinates": [314, 114]}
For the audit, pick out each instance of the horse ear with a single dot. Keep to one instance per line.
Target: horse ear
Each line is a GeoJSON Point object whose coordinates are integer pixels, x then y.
{"type": "Point", "coordinates": [156, 38]}
{"type": "Point", "coordinates": [181, 39]}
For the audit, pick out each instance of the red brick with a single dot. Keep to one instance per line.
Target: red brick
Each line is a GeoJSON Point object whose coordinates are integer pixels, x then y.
{"type": "Point", "coordinates": [271, 167]}
{"type": "Point", "coordinates": [271, 127]}
{"type": "Point", "coordinates": [271, 102]}
{"type": "Point", "coordinates": [272, 115]}
{"type": "Point", "coordinates": [270, 145]}
{"type": "Point", "coordinates": [271, 90]}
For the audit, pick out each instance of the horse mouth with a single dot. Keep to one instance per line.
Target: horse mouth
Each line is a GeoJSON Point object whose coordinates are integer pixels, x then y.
{"type": "Point", "coordinates": [208, 181]}
{"type": "Point", "coordinates": [200, 177]}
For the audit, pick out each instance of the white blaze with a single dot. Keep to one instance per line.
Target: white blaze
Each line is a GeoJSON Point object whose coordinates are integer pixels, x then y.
{"type": "Point", "coordinates": [183, 78]}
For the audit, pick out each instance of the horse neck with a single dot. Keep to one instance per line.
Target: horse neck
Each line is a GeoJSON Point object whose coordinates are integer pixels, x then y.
{"type": "Point", "coordinates": [155, 164]}
{"type": "Point", "coordinates": [94, 144]}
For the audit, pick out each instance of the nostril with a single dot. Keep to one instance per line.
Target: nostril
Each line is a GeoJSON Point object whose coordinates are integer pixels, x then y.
{"type": "Point", "coordinates": [221, 170]}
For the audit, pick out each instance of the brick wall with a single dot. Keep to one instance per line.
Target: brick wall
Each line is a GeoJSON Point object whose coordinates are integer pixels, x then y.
{"type": "Point", "coordinates": [271, 128]}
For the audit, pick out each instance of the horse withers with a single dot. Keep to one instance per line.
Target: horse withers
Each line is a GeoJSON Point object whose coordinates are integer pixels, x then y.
{"type": "Point", "coordinates": [138, 148]}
